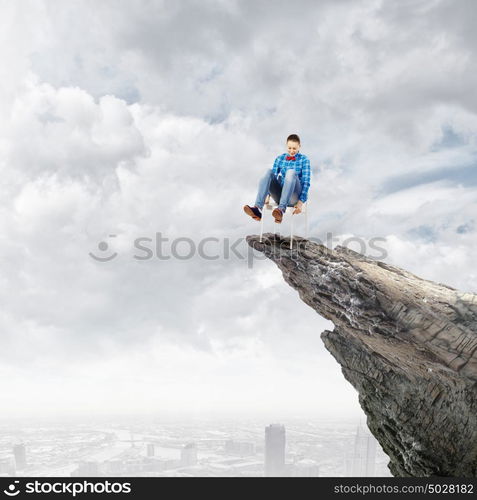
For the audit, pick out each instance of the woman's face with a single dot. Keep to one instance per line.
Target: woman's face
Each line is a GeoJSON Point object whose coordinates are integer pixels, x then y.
{"type": "Point", "coordinates": [293, 147]}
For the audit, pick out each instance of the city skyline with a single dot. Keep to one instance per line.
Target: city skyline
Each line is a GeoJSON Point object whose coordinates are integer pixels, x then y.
{"type": "Point", "coordinates": [154, 448]}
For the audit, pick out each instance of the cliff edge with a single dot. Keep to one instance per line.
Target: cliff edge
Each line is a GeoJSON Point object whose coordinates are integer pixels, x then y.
{"type": "Point", "coordinates": [407, 345]}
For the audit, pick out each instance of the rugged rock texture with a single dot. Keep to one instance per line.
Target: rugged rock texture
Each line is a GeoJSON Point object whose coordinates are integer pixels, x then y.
{"type": "Point", "coordinates": [409, 346]}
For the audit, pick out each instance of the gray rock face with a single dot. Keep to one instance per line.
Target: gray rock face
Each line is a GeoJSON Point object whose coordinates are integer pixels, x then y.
{"type": "Point", "coordinates": [407, 345]}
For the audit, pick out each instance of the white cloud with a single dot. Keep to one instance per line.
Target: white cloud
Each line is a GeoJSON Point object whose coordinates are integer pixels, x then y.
{"type": "Point", "coordinates": [136, 119]}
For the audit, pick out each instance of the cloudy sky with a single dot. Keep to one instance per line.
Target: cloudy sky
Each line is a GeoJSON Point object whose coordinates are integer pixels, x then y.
{"type": "Point", "coordinates": [126, 119]}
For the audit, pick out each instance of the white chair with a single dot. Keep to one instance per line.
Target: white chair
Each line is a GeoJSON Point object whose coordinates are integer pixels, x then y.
{"type": "Point", "coordinates": [271, 205]}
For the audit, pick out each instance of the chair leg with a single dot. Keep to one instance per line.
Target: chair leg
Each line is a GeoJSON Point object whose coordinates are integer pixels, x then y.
{"type": "Point", "coordinates": [306, 221]}
{"type": "Point", "coordinates": [291, 233]}
{"type": "Point", "coordinates": [261, 224]}
{"type": "Point", "coordinates": [267, 199]}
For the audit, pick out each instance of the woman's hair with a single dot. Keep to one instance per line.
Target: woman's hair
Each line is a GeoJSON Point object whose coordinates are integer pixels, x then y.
{"type": "Point", "coordinates": [294, 138]}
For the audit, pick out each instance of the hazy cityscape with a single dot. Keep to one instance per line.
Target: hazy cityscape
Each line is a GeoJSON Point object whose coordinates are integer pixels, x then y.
{"type": "Point", "coordinates": [291, 447]}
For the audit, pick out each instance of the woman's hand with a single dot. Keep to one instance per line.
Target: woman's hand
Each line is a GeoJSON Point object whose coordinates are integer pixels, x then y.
{"type": "Point", "coordinates": [298, 208]}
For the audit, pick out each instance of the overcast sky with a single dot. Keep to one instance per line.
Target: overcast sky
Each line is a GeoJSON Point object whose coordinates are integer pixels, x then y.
{"type": "Point", "coordinates": [131, 118]}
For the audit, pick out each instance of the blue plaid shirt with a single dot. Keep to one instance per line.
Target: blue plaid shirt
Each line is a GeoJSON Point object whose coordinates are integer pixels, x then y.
{"type": "Point", "coordinates": [302, 168]}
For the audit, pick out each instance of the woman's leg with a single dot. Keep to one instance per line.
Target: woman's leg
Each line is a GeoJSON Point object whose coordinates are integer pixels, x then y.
{"type": "Point", "coordinates": [291, 190]}
{"type": "Point", "coordinates": [275, 190]}
{"type": "Point", "coordinates": [296, 193]}
{"type": "Point", "coordinates": [268, 185]}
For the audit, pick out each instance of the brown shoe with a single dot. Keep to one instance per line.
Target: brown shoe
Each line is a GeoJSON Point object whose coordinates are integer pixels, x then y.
{"type": "Point", "coordinates": [254, 212]}
{"type": "Point", "coordinates": [278, 214]}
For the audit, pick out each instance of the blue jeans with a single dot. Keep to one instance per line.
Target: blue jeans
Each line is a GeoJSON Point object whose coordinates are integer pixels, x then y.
{"type": "Point", "coordinates": [286, 195]}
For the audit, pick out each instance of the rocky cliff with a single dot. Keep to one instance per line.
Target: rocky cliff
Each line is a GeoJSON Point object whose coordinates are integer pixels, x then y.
{"type": "Point", "coordinates": [408, 346]}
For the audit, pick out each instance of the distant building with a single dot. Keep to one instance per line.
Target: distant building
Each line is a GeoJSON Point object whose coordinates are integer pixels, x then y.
{"type": "Point", "coordinates": [109, 437]}
{"type": "Point", "coordinates": [239, 448]}
{"type": "Point", "coordinates": [134, 464]}
{"type": "Point", "coordinates": [7, 466]}
{"type": "Point", "coordinates": [305, 468]}
{"type": "Point", "coordinates": [87, 469]}
{"type": "Point", "coordinates": [275, 450]}
{"type": "Point", "coordinates": [189, 454]}
{"type": "Point", "coordinates": [150, 450]}
{"type": "Point", "coordinates": [19, 452]}
{"type": "Point", "coordinates": [113, 467]}
{"type": "Point", "coordinates": [362, 461]}
{"type": "Point", "coordinates": [157, 464]}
